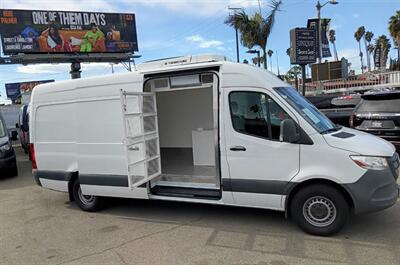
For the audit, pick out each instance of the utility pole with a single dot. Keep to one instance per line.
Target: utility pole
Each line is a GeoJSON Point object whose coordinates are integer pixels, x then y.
{"type": "Point", "coordinates": [235, 9]}
{"type": "Point", "coordinates": [277, 62]}
{"type": "Point", "coordinates": [319, 32]}
{"type": "Point", "coordinates": [319, 7]}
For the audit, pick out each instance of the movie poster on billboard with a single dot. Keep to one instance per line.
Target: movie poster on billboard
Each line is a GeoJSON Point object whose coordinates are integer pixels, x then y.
{"type": "Point", "coordinates": [39, 31]}
{"type": "Point", "coordinates": [15, 90]}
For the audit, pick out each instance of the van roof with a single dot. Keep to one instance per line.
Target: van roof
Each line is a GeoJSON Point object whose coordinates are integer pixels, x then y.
{"type": "Point", "coordinates": [239, 74]}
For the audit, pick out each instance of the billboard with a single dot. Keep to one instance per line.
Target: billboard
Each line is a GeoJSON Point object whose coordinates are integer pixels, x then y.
{"type": "Point", "coordinates": [313, 24]}
{"type": "Point", "coordinates": [39, 31]}
{"type": "Point", "coordinates": [16, 90]}
{"type": "Point", "coordinates": [303, 46]}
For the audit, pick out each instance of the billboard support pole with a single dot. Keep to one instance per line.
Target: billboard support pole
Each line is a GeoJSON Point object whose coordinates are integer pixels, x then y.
{"type": "Point", "coordinates": [303, 78]}
{"type": "Point", "coordinates": [75, 70]}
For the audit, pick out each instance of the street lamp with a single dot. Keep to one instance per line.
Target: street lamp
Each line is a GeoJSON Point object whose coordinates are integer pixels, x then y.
{"type": "Point", "coordinates": [319, 7]}
{"type": "Point", "coordinates": [258, 55]}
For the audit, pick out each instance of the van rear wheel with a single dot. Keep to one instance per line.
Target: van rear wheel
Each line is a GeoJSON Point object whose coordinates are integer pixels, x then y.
{"type": "Point", "coordinates": [89, 203]}
{"type": "Point", "coordinates": [320, 210]}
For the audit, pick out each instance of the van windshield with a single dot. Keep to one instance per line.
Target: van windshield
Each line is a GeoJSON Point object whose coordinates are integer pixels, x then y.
{"type": "Point", "coordinates": [2, 129]}
{"type": "Point", "coordinates": [309, 112]}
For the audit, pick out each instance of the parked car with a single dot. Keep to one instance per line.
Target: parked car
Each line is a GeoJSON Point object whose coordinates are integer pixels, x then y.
{"type": "Point", "coordinates": [23, 128]}
{"type": "Point", "coordinates": [8, 162]}
{"type": "Point", "coordinates": [379, 114]}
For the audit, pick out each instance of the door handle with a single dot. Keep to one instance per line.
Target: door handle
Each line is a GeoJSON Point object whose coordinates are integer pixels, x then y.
{"type": "Point", "coordinates": [238, 148]}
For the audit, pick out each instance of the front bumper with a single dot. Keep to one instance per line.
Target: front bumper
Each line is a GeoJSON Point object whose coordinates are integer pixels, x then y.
{"type": "Point", "coordinates": [376, 190]}
{"type": "Point", "coordinates": [8, 162]}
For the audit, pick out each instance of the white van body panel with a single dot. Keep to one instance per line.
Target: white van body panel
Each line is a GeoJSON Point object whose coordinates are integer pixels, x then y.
{"type": "Point", "coordinates": [56, 185]}
{"type": "Point", "coordinates": [111, 191]}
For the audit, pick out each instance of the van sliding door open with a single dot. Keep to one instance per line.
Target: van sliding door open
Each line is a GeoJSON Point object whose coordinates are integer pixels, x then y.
{"type": "Point", "coordinates": [141, 141]}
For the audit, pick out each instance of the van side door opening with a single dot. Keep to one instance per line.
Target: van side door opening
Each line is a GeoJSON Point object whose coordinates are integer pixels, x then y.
{"type": "Point", "coordinates": [187, 110]}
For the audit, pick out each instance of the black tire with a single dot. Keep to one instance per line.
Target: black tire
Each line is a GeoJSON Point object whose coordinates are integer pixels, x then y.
{"type": "Point", "coordinates": [86, 203]}
{"type": "Point", "coordinates": [320, 210]}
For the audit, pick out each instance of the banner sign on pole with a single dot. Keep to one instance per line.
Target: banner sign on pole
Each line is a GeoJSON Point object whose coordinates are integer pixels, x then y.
{"type": "Point", "coordinates": [313, 24]}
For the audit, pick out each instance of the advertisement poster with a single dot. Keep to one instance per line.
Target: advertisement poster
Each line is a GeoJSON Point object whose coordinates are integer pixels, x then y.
{"type": "Point", "coordinates": [16, 90]}
{"type": "Point", "coordinates": [313, 24]}
{"type": "Point", "coordinates": [38, 31]}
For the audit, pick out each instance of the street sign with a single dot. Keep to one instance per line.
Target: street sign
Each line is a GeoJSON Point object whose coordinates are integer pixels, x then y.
{"type": "Point", "coordinates": [303, 46]}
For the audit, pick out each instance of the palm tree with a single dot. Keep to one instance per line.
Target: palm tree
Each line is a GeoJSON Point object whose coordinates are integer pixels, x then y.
{"type": "Point", "coordinates": [394, 29]}
{"type": "Point", "coordinates": [270, 52]}
{"type": "Point", "coordinates": [371, 49]}
{"type": "Point", "coordinates": [332, 39]}
{"type": "Point", "coordinates": [255, 30]}
{"type": "Point", "coordinates": [292, 76]}
{"type": "Point", "coordinates": [255, 60]}
{"type": "Point", "coordinates": [358, 36]}
{"type": "Point", "coordinates": [368, 38]}
{"type": "Point", "coordinates": [383, 43]}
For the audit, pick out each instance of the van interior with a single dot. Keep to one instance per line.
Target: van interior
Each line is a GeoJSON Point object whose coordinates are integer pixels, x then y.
{"type": "Point", "coordinates": [187, 136]}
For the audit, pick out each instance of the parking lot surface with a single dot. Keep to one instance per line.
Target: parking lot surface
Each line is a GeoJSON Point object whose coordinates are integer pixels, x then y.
{"type": "Point", "coordinates": [39, 226]}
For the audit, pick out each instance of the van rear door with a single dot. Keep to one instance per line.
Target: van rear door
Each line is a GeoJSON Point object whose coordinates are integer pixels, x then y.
{"type": "Point", "coordinates": [142, 144]}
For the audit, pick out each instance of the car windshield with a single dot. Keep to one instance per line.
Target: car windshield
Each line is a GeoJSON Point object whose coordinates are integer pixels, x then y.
{"type": "Point", "coordinates": [2, 129]}
{"type": "Point", "coordinates": [384, 105]}
{"type": "Point", "coordinates": [307, 110]}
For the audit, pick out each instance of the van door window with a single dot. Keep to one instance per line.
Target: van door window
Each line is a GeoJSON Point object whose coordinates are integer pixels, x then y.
{"type": "Point", "coordinates": [256, 114]}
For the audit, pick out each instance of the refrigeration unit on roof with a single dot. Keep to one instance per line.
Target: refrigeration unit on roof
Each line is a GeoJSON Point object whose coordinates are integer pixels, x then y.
{"type": "Point", "coordinates": [184, 60]}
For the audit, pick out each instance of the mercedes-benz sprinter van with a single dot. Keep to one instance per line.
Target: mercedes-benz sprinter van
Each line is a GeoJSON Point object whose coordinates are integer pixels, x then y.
{"type": "Point", "coordinates": [203, 129]}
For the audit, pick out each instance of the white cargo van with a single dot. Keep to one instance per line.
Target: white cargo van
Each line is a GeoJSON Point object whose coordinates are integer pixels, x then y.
{"type": "Point", "coordinates": [206, 130]}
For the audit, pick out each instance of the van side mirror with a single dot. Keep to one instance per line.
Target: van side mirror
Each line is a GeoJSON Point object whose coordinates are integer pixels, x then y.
{"type": "Point", "coordinates": [14, 136]}
{"type": "Point", "coordinates": [289, 132]}
{"type": "Point", "coordinates": [17, 125]}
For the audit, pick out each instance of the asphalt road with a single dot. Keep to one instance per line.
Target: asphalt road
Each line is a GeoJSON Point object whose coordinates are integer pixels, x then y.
{"type": "Point", "coordinates": [39, 226]}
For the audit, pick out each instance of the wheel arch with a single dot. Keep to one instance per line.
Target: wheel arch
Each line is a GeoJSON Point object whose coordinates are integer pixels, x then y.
{"type": "Point", "coordinates": [71, 182]}
{"type": "Point", "coordinates": [292, 190]}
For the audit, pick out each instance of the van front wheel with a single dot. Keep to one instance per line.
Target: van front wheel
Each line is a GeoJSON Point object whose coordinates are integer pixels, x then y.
{"type": "Point", "coordinates": [89, 203]}
{"type": "Point", "coordinates": [320, 210]}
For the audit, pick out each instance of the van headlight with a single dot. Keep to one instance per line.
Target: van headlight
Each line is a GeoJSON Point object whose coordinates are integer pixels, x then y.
{"type": "Point", "coordinates": [5, 148]}
{"type": "Point", "coordinates": [371, 162]}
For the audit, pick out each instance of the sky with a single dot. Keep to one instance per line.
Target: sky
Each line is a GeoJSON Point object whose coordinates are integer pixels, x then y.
{"type": "Point", "coordinates": [168, 28]}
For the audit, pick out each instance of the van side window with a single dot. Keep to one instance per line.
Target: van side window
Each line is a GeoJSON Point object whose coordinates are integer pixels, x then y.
{"type": "Point", "coordinates": [256, 114]}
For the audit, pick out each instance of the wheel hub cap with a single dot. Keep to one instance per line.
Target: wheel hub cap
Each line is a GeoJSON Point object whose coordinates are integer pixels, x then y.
{"type": "Point", "coordinates": [86, 199]}
{"type": "Point", "coordinates": [319, 211]}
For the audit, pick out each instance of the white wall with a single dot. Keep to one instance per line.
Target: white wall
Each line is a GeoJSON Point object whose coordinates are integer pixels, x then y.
{"type": "Point", "coordinates": [182, 111]}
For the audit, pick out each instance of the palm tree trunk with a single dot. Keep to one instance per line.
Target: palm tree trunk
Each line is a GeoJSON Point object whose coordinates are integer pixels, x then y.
{"type": "Point", "coordinates": [264, 49]}
{"type": "Point", "coordinates": [398, 49]}
{"type": "Point", "coordinates": [335, 51]}
{"type": "Point", "coordinates": [361, 57]}
{"type": "Point", "coordinates": [270, 63]}
{"type": "Point", "coordinates": [368, 58]}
